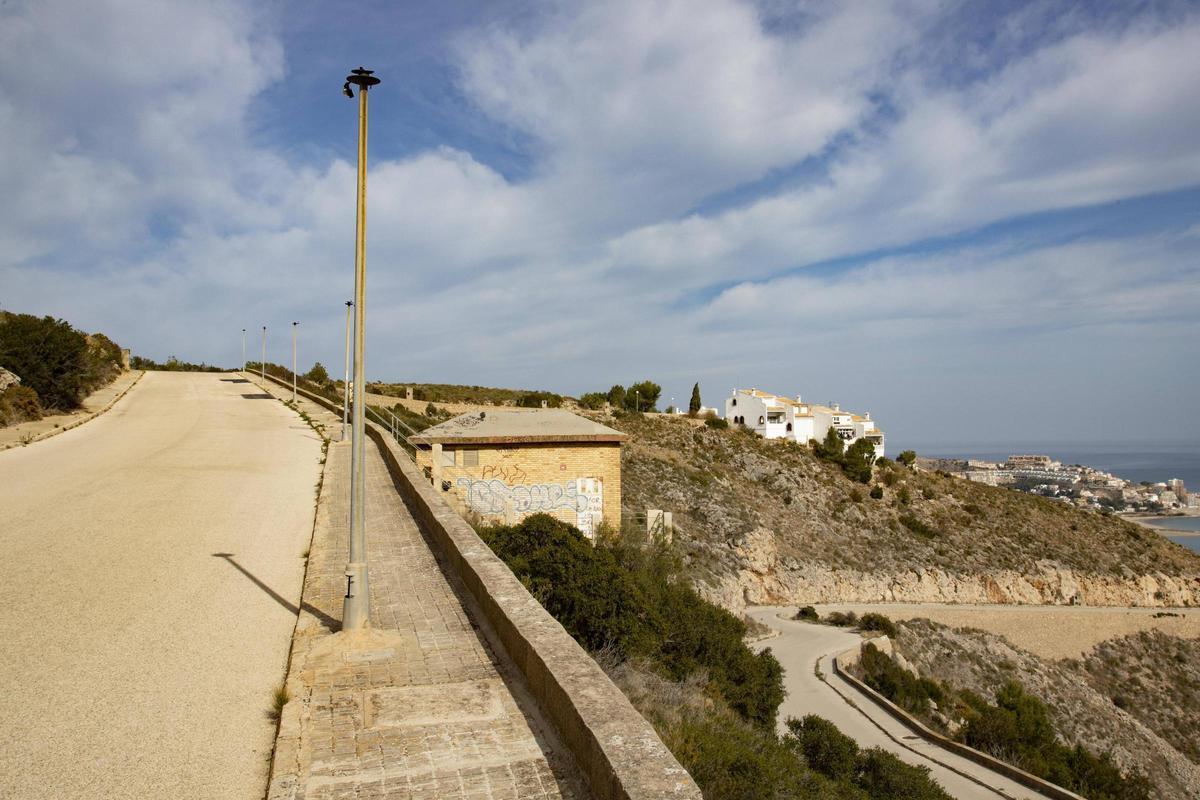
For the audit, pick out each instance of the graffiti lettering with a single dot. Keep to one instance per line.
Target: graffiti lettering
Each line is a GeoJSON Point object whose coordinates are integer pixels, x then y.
{"type": "Point", "coordinates": [491, 496]}
{"type": "Point", "coordinates": [508, 473]}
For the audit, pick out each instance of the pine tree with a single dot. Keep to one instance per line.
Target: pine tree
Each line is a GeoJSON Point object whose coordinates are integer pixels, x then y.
{"type": "Point", "coordinates": [694, 405]}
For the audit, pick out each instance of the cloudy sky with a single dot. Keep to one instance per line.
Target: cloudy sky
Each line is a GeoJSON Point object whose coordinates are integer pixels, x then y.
{"type": "Point", "coordinates": [978, 221]}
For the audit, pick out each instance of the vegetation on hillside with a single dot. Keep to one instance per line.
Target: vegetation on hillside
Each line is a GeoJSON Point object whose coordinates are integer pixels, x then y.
{"type": "Point", "coordinates": [683, 663]}
{"type": "Point", "coordinates": [1059, 715]}
{"type": "Point", "coordinates": [1155, 677]}
{"type": "Point", "coordinates": [723, 484]}
{"type": "Point", "coordinates": [1015, 727]}
{"type": "Point", "coordinates": [172, 364]}
{"type": "Point", "coordinates": [57, 363]}
{"type": "Point", "coordinates": [474, 395]}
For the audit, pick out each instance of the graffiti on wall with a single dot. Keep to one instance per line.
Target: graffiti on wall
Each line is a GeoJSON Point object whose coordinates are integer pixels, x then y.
{"type": "Point", "coordinates": [507, 473]}
{"type": "Point", "coordinates": [583, 496]}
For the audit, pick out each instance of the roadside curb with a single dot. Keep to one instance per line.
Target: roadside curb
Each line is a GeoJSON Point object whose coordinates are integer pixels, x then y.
{"type": "Point", "coordinates": [88, 418]}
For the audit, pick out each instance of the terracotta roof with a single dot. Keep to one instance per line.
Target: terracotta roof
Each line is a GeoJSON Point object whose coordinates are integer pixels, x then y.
{"type": "Point", "coordinates": [504, 427]}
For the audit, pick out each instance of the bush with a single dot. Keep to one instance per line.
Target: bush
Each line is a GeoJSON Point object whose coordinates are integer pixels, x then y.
{"type": "Point", "coordinates": [593, 400]}
{"type": "Point", "coordinates": [895, 683]}
{"type": "Point", "coordinates": [877, 622]}
{"type": "Point", "coordinates": [318, 374]}
{"type": "Point", "coordinates": [876, 492]}
{"type": "Point", "coordinates": [49, 355]}
{"type": "Point", "coordinates": [629, 600]}
{"type": "Point", "coordinates": [886, 777]}
{"type": "Point", "coordinates": [857, 461]}
{"type": "Point", "coordinates": [907, 457]}
{"type": "Point", "coordinates": [616, 396]}
{"type": "Point", "coordinates": [535, 400]}
{"type": "Point", "coordinates": [642, 396]}
{"type": "Point", "coordinates": [19, 404]}
{"type": "Point", "coordinates": [918, 527]}
{"type": "Point", "coordinates": [173, 364]}
{"type": "Point", "coordinates": [826, 749]}
{"type": "Point", "coordinates": [842, 619]}
{"type": "Point", "coordinates": [808, 614]}
{"type": "Point", "coordinates": [717, 423]}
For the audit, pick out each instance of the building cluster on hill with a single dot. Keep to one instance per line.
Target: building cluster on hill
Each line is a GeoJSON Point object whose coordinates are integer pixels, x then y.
{"type": "Point", "coordinates": [775, 417]}
{"type": "Point", "coordinates": [1077, 484]}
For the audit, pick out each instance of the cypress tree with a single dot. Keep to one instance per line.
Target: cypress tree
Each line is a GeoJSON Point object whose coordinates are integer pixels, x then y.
{"type": "Point", "coordinates": [694, 404]}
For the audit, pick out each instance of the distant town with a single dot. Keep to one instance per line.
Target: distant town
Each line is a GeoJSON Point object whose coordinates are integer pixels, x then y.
{"type": "Point", "coordinates": [1079, 485]}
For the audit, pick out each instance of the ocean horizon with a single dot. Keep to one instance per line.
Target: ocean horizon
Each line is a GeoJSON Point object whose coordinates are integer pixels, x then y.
{"type": "Point", "coordinates": [1133, 461]}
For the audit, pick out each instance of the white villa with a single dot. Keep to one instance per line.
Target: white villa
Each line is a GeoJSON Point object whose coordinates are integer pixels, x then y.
{"type": "Point", "coordinates": [775, 417]}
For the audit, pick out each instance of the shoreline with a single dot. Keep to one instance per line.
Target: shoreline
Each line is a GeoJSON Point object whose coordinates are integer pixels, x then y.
{"type": "Point", "coordinates": [1145, 522]}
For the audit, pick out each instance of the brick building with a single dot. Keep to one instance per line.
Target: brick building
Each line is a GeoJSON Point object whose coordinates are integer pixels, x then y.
{"type": "Point", "coordinates": [506, 465]}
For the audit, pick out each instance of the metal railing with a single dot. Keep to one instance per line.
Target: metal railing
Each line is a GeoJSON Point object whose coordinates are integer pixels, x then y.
{"type": "Point", "coordinates": [398, 428]}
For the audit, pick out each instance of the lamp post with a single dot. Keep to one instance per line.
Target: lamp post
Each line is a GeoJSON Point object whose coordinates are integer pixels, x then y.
{"type": "Point", "coordinates": [294, 324]}
{"type": "Point", "coordinates": [264, 359]}
{"type": "Point", "coordinates": [346, 382]}
{"type": "Point", "coordinates": [243, 349]}
{"type": "Point", "coordinates": [356, 611]}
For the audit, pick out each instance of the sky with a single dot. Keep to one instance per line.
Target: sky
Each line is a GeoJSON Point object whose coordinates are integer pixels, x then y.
{"type": "Point", "coordinates": [980, 222]}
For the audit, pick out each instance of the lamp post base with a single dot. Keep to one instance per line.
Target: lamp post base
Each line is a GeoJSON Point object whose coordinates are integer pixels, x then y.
{"type": "Point", "coordinates": [356, 607]}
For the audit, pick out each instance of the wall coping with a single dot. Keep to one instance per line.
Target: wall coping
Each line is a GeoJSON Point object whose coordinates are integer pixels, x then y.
{"type": "Point", "coordinates": [1022, 777]}
{"type": "Point", "coordinates": [615, 748]}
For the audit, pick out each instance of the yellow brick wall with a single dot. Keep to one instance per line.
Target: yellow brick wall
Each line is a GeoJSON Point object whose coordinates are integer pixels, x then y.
{"type": "Point", "coordinates": [534, 470]}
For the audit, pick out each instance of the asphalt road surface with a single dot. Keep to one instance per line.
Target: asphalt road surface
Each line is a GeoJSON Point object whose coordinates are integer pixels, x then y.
{"type": "Point", "coordinates": [800, 646]}
{"type": "Point", "coordinates": [150, 567]}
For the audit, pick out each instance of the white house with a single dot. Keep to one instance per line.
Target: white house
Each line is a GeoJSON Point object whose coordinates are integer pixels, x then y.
{"type": "Point", "coordinates": [775, 417]}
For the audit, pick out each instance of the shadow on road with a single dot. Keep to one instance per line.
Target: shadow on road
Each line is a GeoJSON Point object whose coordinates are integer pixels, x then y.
{"type": "Point", "coordinates": [326, 620]}
{"type": "Point", "coordinates": [260, 396]}
{"type": "Point", "coordinates": [234, 380]}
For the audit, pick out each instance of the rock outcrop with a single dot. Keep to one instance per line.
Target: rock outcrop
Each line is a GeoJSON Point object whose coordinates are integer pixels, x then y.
{"type": "Point", "coordinates": [8, 379]}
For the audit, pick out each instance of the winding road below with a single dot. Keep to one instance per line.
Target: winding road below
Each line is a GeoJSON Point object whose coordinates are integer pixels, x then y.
{"type": "Point", "coordinates": [803, 648]}
{"type": "Point", "coordinates": [151, 571]}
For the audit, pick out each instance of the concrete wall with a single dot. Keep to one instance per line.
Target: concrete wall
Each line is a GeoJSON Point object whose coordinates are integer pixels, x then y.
{"type": "Point", "coordinates": [617, 750]}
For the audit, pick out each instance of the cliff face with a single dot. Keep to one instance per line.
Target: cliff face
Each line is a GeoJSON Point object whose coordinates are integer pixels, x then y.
{"type": "Point", "coordinates": [767, 578]}
{"type": "Point", "coordinates": [768, 522]}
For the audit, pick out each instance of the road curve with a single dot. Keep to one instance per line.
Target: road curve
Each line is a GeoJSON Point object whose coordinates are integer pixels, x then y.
{"type": "Point", "coordinates": [150, 570]}
{"type": "Point", "coordinates": [802, 646]}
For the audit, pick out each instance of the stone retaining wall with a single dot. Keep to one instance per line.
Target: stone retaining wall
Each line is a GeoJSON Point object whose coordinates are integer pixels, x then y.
{"type": "Point", "coordinates": [616, 749]}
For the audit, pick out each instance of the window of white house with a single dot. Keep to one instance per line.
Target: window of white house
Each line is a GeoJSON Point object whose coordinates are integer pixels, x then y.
{"type": "Point", "coordinates": [448, 457]}
{"type": "Point", "coordinates": [470, 458]}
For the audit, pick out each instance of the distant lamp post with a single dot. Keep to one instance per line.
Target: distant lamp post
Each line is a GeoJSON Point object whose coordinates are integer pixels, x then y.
{"type": "Point", "coordinates": [264, 359]}
{"type": "Point", "coordinates": [243, 349]}
{"type": "Point", "coordinates": [294, 324]}
{"type": "Point", "coordinates": [346, 382]}
{"type": "Point", "coordinates": [356, 611]}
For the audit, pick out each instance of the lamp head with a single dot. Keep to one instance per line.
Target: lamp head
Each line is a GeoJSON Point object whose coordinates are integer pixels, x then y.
{"type": "Point", "coordinates": [346, 90]}
{"type": "Point", "coordinates": [349, 303]}
{"type": "Point", "coordinates": [362, 78]}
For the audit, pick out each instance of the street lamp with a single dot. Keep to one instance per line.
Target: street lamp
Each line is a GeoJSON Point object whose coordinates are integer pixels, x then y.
{"type": "Point", "coordinates": [346, 382]}
{"type": "Point", "coordinates": [356, 611]}
{"type": "Point", "coordinates": [243, 349]}
{"type": "Point", "coordinates": [264, 359]}
{"type": "Point", "coordinates": [294, 324]}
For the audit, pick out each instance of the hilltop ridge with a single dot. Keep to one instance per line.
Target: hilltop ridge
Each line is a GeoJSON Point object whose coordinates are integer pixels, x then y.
{"type": "Point", "coordinates": [769, 522]}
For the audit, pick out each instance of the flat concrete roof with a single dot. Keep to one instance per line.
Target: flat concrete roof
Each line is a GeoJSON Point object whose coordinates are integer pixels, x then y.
{"type": "Point", "coordinates": [512, 427]}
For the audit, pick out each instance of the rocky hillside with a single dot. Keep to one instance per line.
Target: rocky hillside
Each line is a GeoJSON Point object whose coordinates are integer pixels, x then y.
{"type": "Point", "coordinates": [766, 522]}
{"type": "Point", "coordinates": [1156, 678]}
{"type": "Point", "coordinates": [1081, 708]}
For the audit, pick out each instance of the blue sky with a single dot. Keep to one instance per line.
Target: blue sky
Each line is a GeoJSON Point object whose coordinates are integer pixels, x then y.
{"type": "Point", "coordinates": [979, 222]}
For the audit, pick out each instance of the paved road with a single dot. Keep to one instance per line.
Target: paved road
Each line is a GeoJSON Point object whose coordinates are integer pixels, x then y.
{"type": "Point", "coordinates": [136, 662]}
{"type": "Point", "coordinates": [800, 646]}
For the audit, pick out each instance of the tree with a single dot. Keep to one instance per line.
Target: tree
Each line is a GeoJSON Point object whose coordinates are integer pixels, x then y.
{"type": "Point", "coordinates": [643, 396]}
{"type": "Point", "coordinates": [831, 448]}
{"type": "Point", "coordinates": [616, 396]}
{"type": "Point", "coordinates": [694, 405]}
{"type": "Point", "coordinates": [593, 400]}
{"type": "Point", "coordinates": [858, 459]}
{"type": "Point", "coordinates": [49, 355]}
{"type": "Point", "coordinates": [907, 457]}
{"type": "Point", "coordinates": [317, 374]}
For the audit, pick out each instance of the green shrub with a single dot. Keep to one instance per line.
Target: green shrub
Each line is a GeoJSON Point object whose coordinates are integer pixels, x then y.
{"type": "Point", "coordinates": [918, 527]}
{"type": "Point", "coordinates": [857, 461]}
{"type": "Point", "coordinates": [19, 404]}
{"type": "Point", "coordinates": [536, 399]}
{"type": "Point", "coordinates": [173, 364]}
{"type": "Point", "coordinates": [49, 355]}
{"type": "Point", "coordinates": [593, 400]}
{"type": "Point", "coordinates": [842, 619]}
{"type": "Point", "coordinates": [907, 457]}
{"type": "Point", "coordinates": [872, 621]}
{"type": "Point", "coordinates": [808, 614]}
{"type": "Point", "coordinates": [318, 374]}
{"type": "Point", "coordinates": [885, 777]}
{"type": "Point", "coordinates": [717, 423]}
{"type": "Point", "coordinates": [894, 682]}
{"type": "Point", "coordinates": [876, 492]}
{"type": "Point", "coordinates": [616, 396]}
{"type": "Point", "coordinates": [825, 748]}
